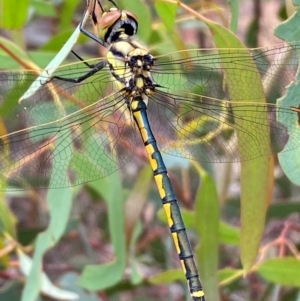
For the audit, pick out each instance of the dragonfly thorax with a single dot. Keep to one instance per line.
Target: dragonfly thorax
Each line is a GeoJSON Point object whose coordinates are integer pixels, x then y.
{"type": "Point", "coordinates": [130, 64]}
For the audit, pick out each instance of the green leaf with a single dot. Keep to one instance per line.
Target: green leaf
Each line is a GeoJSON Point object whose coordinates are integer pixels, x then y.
{"type": "Point", "coordinates": [207, 226]}
{"type": "Point", "coordinates": [42, 58]}
{"type": "Point", "coordinates": [289, 30]}
{"type": "Point", "coordinates": [133, 210]}
{"type": "Point", "coordinates": [167, 277]}
{"type": "Point", "coordinates": [98, 277]}
{"type": "Point", "coordinates": [6, 60]}
{"type": "Point", "coordinates": [47, 287]}
{"type": "Point", "coordinates": [136, 201]}
{"type": "Point", "coordinates": [142, 10]}
{"type": "Point", "coordinates": [56, 61]}
{"type": "Point", "coordinates": [59, 40]}
{"type": "Point", "coordinates": [59, 203]}
{"type": "Point", "coordinates": [282, 210]}
{"type": "Point", "coordinates": [229, 275]}
{"type": "Point", "coordinates": [284, 271]}
{"type": "Point", "coordinates": [255, 174]}
{"type": "Point", "coordinates": [11, 100]}
{"type": "Point", "coordinates": [167, 29]}
{"type": "Point", "coordinates": [229, 234]}
{"type": "Point", "coordinates": [10, 290]}
{"type": "Point", "coordinates": [43, 8]}
{"type": "Point", "coordinates": [234, 8]}
{"type": "Point", "coordinates": [67, 13]}
{"type": "Point", "coordinates": [167, 12]}
{"type": "Point", "coordinates": [7, 219]}
{"type": "Point", "coordinates": [13, 13]}
{"type": "Point", "coordinates": [136, 276]}
{"type": "Point", "coordinates": [69, 281]}
{"type": "Point", "coordinates": [290, 160]}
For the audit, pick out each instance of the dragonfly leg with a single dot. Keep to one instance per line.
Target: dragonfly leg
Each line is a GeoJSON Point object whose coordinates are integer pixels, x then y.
{"type": "Point", "coordinates": [81, 59]}
{"type": "Point", "coordinates": [94, 70]}
{"type": "Point", "coordinates": [94, 18]}
{"type": "Point", "coordinates": [111, 1]}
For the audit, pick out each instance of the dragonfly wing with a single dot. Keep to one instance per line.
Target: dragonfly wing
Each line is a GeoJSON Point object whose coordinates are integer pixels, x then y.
{"type": "Point", "coordinates": [92, 113]}
{"type": "Point", "coordinates": [199, 100]}
{"type": "Point", "coordinates": [203, 71]}
{"type": "Point", "coordinates": [195, 127]}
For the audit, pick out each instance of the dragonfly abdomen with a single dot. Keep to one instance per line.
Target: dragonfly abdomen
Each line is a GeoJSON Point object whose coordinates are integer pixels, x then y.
{"type": "Point", "coordinates": [168, 198]}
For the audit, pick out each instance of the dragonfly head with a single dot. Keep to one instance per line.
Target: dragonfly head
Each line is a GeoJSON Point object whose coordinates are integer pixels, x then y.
{"type": "Point", "coordinates": [115, 22]}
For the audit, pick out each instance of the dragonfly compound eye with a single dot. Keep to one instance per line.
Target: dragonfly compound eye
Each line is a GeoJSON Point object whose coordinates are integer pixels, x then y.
{"type": "Point", "coordinates": [147, 61]}
{"type": "Point", "coordinates": [115, 23]}
{"type": "Point", "coordinates": [132, 61]}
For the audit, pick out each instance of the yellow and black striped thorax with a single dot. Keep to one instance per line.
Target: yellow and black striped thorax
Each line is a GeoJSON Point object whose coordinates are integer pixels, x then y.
{"type": "Point", "coordinates": [130, 63]}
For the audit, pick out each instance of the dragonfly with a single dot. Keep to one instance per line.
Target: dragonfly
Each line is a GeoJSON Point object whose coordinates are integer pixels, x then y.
{"type": "Point", "coordinates": [183, 97]}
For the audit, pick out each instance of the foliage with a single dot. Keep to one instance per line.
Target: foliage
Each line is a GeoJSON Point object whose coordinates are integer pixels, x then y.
{"type": "Point", "coordinates": [107, 231]}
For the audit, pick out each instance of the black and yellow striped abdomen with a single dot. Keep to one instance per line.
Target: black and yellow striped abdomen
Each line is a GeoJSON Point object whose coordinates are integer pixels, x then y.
{"type": "Point", "coordinates": [168, 197]}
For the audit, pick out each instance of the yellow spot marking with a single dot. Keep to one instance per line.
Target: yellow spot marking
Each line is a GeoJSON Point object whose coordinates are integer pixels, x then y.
{"type": "Point", "coordinates": [140, 122]}
{"type": "Point", "coordinates": [198, 294]}
{"type": "Point", "coordinates": [144, 134]}
{"type": "Point", "coordinates": [139, 119]}
{"type": "Point", "coordinates": [159, 184]}
{"type": "Point", "coordinates": [118, 64]}
{"type": "Point", "coordinates": [176, 242]}
{"type": "Point", "coordinates": [140, 82]}
{"type": "Point", "coordinates": [167, 208]}
{"type": "Point", "coordinates": [124, 16]}
{"type": "Point", "coordinates": [153, 162]}
{"type": "Point", "coordinates": [134, 105]}
{"type": "Point", "coordinates": [183, 266]}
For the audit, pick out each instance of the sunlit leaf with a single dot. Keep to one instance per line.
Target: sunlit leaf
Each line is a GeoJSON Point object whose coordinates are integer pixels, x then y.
{"type": "Point", "coordinates": [234, 9]}
{"type": "Point", "coordinates": [15, 15]}
{"type": "Point", "coordinates": [167, 277]}
{"type": "Point", "coordinates": [228, 275]}
{"type": "Point", "coordinates": [53, 65]}
{"type": "Point", "coordinates": [47, 287]}
{"type": "Point", "coordinates": [59, 202]}
{"type": "Point", "coordinates": [142, 10]}
{"type": "Point", "coordinates": [167, 12]}
{"type": "Point", "coordinates": [98, 277]}
{"type": "Point", "coordinates": [136, 200]}
{"type": "Point", "coordinates": [255, 174]}
{"type": "Point", "coordinates": [207, 216]}
{"type": "Point", "coordinates": [290, 161]}
{"type": "Point", "coordinates": [284, 271]}
{"type": "Point", "coordinates": [44, 8]}
{"type": "Point", "coordinates": [68, 11]}
{"type": "Point", "coordinates": [229, 234]}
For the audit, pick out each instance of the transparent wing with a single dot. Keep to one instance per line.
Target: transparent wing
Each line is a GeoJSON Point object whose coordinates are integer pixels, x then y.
{"type": "Point", "coordinates": [193, 114]}
{"type": "Point", "coordinates": [189, 127]}
{"type": "Point", "coordinates": [207, 72]}
{"type": "Point", "coordinates": [92, 113]}
{"type": "Point", "coordinates": [207, 97]}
